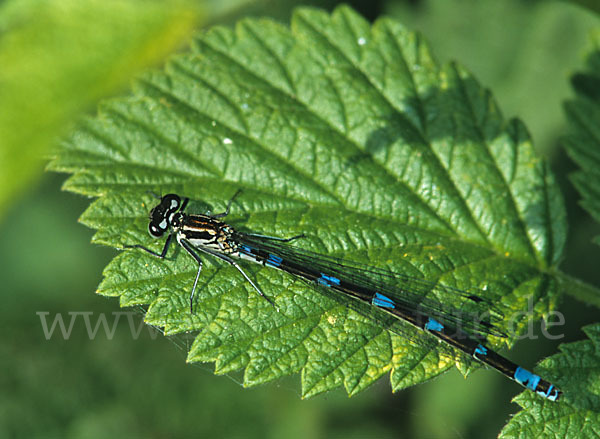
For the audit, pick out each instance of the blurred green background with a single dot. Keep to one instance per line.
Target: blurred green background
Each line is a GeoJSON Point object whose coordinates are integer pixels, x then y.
{"type": "Point", "coordinates": [128, 386]}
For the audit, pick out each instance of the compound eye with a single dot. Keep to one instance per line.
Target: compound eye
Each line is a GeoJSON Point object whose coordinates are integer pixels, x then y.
{"type": "Point", "coordinates": [156, 231]}
{"type": "Point", "coordinates": [171, 202]}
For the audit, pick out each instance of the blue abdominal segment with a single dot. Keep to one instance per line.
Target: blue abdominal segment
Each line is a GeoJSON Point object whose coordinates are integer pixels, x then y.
{"type": "Point", "coordinates": [433, 325]}
{"type": "Point", "coordinates": [273, 261]}
{"type": "Point", "coordinates": [481, 350]}
{"type": "Point", "coordinates": [328, 281]}
{"type": "Point", "coordinates": [383, 301]}
{"type": "Point", "coordinates": [526, 378]}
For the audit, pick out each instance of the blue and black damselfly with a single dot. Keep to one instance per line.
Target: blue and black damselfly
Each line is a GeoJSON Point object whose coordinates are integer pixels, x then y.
{"type": "Point", "coordinates": [376, 293]}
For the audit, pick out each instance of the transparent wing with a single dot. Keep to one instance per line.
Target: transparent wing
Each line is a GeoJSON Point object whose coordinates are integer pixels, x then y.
{"type": "Point", "coordinates": [464, 310]}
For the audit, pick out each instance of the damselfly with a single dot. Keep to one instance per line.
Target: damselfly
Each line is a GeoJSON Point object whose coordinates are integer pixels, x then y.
{"type": "Point", "coordinates": [385, 293]}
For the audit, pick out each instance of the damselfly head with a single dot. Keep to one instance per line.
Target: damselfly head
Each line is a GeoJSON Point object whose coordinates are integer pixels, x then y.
{"type": "Point", "coordinates": [161, 215]}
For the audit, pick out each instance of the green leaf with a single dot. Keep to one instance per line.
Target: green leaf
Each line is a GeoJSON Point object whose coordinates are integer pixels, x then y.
{"type": "Point", "coordinates": [347, 132]}
{"type": "Point", "coordinates": [578, 364]}
{"type": "Point", "coordinates": [58, 57]}
{"type": "Point", "coordinates": [583, 142]}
